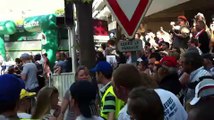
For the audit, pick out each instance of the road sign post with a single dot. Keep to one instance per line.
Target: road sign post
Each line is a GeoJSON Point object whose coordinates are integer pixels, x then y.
{"type": "Point", "coordinates": [130, 46]}
{"type": "Point", "coordinates": [129, 13]}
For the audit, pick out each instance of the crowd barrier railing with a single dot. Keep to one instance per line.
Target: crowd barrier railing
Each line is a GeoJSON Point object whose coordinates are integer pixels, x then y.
{"type": "Point", "coordinates": [62, 82]}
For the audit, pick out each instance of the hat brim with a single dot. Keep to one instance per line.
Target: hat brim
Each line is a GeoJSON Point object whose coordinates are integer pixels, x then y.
{"type": "Point", "coordinates": [93, 70]}
{"type": "Point", "coordinates": [194, 101]}
{"type": "Point", "coordinates": [29, 95]}
{"type": "Point", "coordinates": [139, 60]}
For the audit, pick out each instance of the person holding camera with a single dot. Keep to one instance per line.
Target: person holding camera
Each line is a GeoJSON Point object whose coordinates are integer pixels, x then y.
{"type": "Point", "coordinates": [202, 36]}
{"type": "Point", "coordinates": [181, 33]}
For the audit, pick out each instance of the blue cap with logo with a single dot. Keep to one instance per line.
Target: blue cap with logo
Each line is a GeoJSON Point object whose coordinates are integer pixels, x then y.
{"type": "Point", "coordinates": [103, 67]}
{"type": "Point", "coordinates": [10, 88]}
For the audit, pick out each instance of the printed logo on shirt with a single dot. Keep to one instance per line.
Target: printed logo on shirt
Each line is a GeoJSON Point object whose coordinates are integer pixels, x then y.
{"type": "Point", "coordinates": [169, 108]}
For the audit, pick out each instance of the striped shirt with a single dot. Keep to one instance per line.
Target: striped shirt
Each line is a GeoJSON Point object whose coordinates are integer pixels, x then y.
{"type": "Point", "coordinates": [194, 76]}
{"type": "Point", "coordinates": [110, 104]}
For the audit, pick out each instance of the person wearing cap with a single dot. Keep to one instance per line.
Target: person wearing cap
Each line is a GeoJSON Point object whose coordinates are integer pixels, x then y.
{"type": "Point", "coordinates": [24, 104]}
{"type": "Point", "coordinates": [10, 88]}
{"type": "Point", "coordinates": [110, 104]}
{"type": "Point", "coordinates": [165, 46]}
{"type": "Point", "coordinates": [204, 91]}
{"type": "Point", "coordinates": [83, 100]}
{"type": "Point", "coordinates": [181, 33]}
{"type": "Point", "coordinates": [168, 76]}
{"type": "Point", "coordinates": [203, 105]}
{"type": "Point", "coordinates": [192, 64]}
{"type": "Point", "coordinates": [29, 73]}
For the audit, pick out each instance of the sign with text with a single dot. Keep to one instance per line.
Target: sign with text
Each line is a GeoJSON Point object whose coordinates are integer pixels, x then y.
{"type": "Point", "coordinates": [128, 46]}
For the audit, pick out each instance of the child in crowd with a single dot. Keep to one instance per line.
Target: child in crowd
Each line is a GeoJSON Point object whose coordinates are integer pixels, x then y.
{"type": "Point", "coordinates": [47, 104]}
{"type": "Point", "coordinates": [25, 104]}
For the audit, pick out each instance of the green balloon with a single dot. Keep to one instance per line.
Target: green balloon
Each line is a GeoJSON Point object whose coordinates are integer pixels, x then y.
{"type": "Point", "coordinates": [7, 28]}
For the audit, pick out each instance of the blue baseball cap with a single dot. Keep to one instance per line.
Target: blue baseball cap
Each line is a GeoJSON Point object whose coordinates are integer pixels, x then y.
{"type": "Point", "coordinates": [103, 67]}
{"type": "Point", "coordinates": [10, 88]}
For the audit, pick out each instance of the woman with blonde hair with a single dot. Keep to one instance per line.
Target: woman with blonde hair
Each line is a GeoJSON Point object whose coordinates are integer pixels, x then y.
{"type": "Point", "coordinates": [81, 75]}
{"type": "Point", "coordinates": [46, 106]}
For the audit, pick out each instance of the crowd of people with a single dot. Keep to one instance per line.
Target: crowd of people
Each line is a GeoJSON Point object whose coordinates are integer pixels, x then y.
{"type": "Point", "coordinates": [172, 79]}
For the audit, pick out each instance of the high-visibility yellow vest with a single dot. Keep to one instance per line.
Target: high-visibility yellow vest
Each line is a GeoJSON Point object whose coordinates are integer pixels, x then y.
{"type": "Point", "coordinates": [119, 103]}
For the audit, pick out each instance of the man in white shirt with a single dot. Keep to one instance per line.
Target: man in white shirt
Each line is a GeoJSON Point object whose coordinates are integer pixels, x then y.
{"type": "Point", "coordinates": [192, 64]}
{"type": "Point", "coordinates": [126, 77]}
{"type": "Point", "coordinates": [173, 109]}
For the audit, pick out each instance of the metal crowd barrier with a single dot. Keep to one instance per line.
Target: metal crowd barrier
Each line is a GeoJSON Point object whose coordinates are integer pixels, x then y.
{"type": "Point", "coordinates": [62, 82]}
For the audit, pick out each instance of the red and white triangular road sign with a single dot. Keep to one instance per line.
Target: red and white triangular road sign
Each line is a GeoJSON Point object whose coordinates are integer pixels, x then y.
{"type": "Point", "coordinates": [129, 13]}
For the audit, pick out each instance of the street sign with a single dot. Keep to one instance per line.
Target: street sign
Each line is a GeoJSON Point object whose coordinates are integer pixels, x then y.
{"type": "Point", "coordinates": [128, 46]}
{"type": "Point", "coordinates": [129, 13]}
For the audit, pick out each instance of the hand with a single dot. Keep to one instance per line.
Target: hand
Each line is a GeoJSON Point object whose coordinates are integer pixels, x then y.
{"type": "Point", "coordinates": [184, 79]}
{"type": "Point", "coordinates": [61, 116]}
{"type": "Point", "coordinates": [172, 23]}
{"type": "Point", "coordinates": [52, 118]}
{"type": "Point", "coordinates": [161, 28]}
{"type": "Point", "coordinates": [57, 111]}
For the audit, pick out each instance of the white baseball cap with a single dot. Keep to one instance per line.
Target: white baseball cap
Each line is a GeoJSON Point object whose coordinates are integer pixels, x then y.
{"type": "Point", "coordinates": [203, 89]}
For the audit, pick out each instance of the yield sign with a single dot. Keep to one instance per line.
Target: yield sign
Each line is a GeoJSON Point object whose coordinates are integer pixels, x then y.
{"type": "Point", "coordinates": [129, 13]}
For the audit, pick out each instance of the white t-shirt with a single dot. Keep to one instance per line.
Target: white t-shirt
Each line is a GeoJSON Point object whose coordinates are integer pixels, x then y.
{"type": "Point", "coordinates": [123, 115]}
{"type": "Point", "coordinates": [173, 109]}
{"type": "Point", "coordinates": [24, 115]}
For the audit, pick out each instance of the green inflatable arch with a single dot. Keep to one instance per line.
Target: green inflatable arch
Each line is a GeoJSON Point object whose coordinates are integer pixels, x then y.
{"type": "Point", "coordinates": [43, 23]}
{"type": "Point", "coordinates": [47, 25]}
{"type": "Point", "coordinates": [6, 28]}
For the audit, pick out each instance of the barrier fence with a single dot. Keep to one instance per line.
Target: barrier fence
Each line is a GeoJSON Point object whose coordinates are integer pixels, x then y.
{"type": "Point", "coordinates": [62, 82]}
